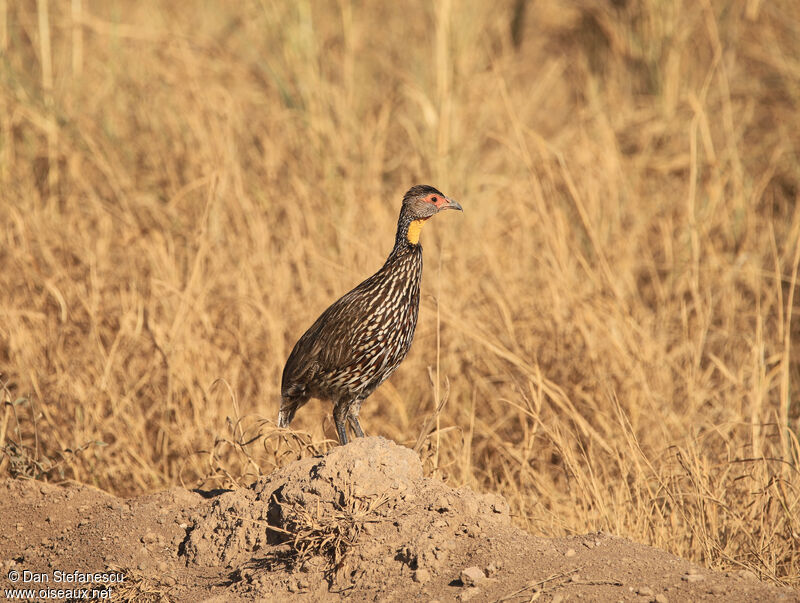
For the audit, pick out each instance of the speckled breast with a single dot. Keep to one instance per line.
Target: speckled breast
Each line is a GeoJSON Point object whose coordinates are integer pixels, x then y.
{"type": "Point", "coordinates": [382, 336]}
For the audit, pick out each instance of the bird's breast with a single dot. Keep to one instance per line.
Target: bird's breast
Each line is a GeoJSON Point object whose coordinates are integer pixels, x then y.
{"type": "Point", "coordinates": [393, 305]}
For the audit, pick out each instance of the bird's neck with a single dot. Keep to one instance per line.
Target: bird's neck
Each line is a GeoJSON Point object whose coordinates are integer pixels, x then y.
{"type": "Point", "coordinates": [408, 231]}
{"type": "Point", "coordinates": [406, 256]}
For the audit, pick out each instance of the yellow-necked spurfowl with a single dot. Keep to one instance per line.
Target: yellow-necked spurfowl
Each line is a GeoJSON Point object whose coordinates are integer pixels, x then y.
{"type": "Point", "coordinates": [363, 337]}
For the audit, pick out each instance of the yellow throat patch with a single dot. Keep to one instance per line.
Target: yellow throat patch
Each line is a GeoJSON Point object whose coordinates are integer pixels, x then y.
{"type": "Point", "coordinates": [413, 231]}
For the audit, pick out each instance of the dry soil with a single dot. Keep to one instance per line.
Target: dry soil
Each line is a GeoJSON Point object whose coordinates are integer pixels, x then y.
{"type": "Point", "coordinates": [361, 523]}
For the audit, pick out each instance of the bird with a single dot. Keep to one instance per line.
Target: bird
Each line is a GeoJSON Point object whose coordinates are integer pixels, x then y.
{"type": "Point", "coordinates": [359, 341]}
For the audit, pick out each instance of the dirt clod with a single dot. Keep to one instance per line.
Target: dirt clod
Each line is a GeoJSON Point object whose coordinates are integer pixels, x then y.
{"type": "Point", "coordinates": [469, 594]}
{"type": "Point", "coordinates": [472, 576]}
{"type": "Point", "coordinates": [693, 577]}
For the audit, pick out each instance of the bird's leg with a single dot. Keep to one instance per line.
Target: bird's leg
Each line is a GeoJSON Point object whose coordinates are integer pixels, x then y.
{"type": "Point", "coordinates": [340, 413]}
{"type": "Point", "coordinates": [355, 426]}
{"type": "Point", "coordinates": [352, 418]}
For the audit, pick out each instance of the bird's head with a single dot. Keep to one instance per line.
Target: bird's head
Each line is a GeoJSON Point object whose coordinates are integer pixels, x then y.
{"type": "Point", "coordinates": [420, 203]}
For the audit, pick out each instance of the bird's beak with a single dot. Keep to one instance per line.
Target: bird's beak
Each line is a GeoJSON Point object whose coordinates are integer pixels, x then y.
{"type": "Point", "coordinates": [450, 204]}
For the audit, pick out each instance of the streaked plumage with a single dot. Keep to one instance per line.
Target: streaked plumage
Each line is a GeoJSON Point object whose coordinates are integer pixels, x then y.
{"type": "Point", "coordinates": [358, 342]}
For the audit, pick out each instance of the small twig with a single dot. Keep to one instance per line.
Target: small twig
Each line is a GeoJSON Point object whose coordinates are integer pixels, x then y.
{"type": "Point", "coordinates": [533, 585]}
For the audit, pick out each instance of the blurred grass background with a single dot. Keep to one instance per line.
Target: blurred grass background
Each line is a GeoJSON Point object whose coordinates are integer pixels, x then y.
{"type": "Point", "coordinates": [610, 329]}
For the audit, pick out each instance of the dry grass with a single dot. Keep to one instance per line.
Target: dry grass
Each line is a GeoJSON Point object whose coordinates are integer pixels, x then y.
{"type": "Point", "coordinates": [327, 534]}
{"type": "Point", "coordinates": [185, 186]}
{"type": "Point", "coordinates": [136, 588]}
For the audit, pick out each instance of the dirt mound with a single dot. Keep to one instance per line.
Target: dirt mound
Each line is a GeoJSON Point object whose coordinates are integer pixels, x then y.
{"type": "Point", "coordinates": [360, 522]}
{"type": "Point", "coordinates": [361, 515]}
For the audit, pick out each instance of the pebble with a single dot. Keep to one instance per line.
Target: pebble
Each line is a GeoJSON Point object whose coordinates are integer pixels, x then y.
{"type": "Point", "coordinates": [469, 593]}
{"type": "Point", "coordinates": [422, 576]}
{"type": "Point", "coordinates": [148, 538]}
{"type": "Point", "coordinates": [661, 598]}
{"type": "Point", "coordinates": [570, 553]}
{"type": "Point", "coordinates": [645, 591]}
{"type": "Point", "coordinates": [472, 576]}
{"type": "Point", "coordinates": [492, 569]}
{"type": "Point", "coordinates": [692, 577]}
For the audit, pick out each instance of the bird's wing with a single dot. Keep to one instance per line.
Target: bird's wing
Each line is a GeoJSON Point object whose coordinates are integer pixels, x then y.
{"type": "Point", "coordinates": [329, 342]}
